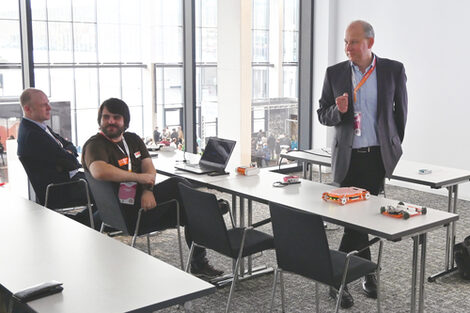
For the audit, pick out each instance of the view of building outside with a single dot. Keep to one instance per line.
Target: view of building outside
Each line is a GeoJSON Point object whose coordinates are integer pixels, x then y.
{"type": "Point", "coordinates": [86, 51]}
{"type": "Point", "coordinates": [275, 79]}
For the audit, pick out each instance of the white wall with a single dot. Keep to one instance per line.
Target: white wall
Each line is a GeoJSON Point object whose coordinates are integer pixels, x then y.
{"type": "Point", "coordinates": [431, 38]}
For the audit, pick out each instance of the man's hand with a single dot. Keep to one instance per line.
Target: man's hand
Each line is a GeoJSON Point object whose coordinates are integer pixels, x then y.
{"type": "Point", "coordinates": [147, 201]}
{"type": "Point", "coordinates": [146, 178]}
{"type": "Point", "coordinates": [342, 103]}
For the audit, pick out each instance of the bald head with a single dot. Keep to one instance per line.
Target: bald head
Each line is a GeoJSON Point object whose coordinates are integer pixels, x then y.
{"type": "Point", "coordinates": [35, 105]}
{"type": "Point", "coordinates": [358, 42]}
{"type": "Point", "coordinates": [366, 28]}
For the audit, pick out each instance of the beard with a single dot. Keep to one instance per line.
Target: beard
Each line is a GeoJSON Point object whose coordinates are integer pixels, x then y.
{"type": "Point", "coordinates": [112, 131]}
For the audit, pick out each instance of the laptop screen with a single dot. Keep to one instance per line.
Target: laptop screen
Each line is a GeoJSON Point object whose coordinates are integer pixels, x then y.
{"type": "Point", "coordinates": [217, 151]}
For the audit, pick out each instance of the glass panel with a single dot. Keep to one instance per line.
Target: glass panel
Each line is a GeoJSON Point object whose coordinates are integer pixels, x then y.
{"type": "Point", "coordinates": [85, 42]}
{"type": "Point", "coordinates": [41, 77]}
{"type": "Point", "coordinates": [131, 44]}
{"type": "Point", "coordinates": [11, 82]}
{"type": "Point", "coordinates": [110, 83]}
{"type": "Point", "coordinates": [10, 49]}
{"type": "Point", "coordinates": [136, 125]}
{"type": "Point", "coordinates": [260, 45]}
{"type": "Point", "coordinates": [62, 85]}
{"type": "Point", "coordinates": [260, 83]}
{"type": "Point", "coordinates": [168, 44]}
{"type": "Point", "coordinates": [291, 45]}
{"type": "Point", "coordinates": [59, 10]}
{"type": "Point", "coordinates": [173, 86]}
{"type": "Point", "coordinates": [107, 11]}
{"type": "Point", "coordinates": [130, 12]}
{"type": "Point", "coordinates": [291, 14]}
{"type": "Point", "coordinates": [87, 117]}
{"type": "Point", "coordinates": [108, 43]}
{"type": "Point", "coordinates": [84, 11]}
{"type": "Point", "coordinates": [290, 79]}
{"type": "Point", "coordinates": [209, 45]}
{"type": "Point", "coordinates": [40, 42]}
{"type": "Point", "coordinates": [132, 86]}
{"type": "Point", "coordinates": [260, 14]}
{"type": "Point", "coordinates": [38, 9]}
{"type": "Point", "coordinates": [86, 89]}
{"type": "Point", "coordinates": [9, 10]}
{"type": "Point", "coordinates": [60, 42]}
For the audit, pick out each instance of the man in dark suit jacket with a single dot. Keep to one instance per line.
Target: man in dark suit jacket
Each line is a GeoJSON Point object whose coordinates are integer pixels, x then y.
{"type": "Point", "coordinates": [45, 155]}
{"type": "Point", "coordinates": [365, 99]}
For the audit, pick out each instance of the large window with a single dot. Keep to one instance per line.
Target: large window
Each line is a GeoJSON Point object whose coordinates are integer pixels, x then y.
{"type": "Point", "coordinates": [206, 70]}
{"type": "Point", "coordinates": [275, 79]}
{"type": "Point", "coordinates": [86, 51]}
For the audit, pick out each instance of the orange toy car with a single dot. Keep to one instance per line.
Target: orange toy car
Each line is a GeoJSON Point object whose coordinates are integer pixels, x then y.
{"type": "Point", "coordinates": [346, 195]}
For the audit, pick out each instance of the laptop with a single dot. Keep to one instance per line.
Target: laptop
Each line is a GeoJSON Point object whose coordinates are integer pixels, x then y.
{"type": "Point", "coordinates": [214, 158]}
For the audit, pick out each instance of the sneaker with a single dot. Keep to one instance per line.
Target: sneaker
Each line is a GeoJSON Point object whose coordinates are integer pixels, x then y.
{"type": "Point", "coordinates": [369, 285]}
{"type": "Point", "coordinates": [205, 270]}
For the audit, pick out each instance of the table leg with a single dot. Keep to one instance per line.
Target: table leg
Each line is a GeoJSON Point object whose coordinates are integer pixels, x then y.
{"type": "Point", "coordinates": [304, 169]}
{"type": "Point", "coordinates": [250, 222]}
{"type": "Point", "coordinates": [422, 268]}
{"type": "Point", "coordinates": [319, 170]}
{"type": "Point", "coordinates": [242, 224]}
{"type": "Point", "coordinates": [234, 215]}
{"type": "Point", "coordinates": [414, 268]}
{"type": "Point", "coordinates": [450, 235]}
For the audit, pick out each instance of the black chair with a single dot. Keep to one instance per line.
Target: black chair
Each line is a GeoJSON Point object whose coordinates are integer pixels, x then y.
{"type": "Point", "coordinates": [81, 186]}
{"type": "Point", "coordinates": [56, 196]}
{"type": "Point", "coordinates": [208, 230]}
{"type": "Point", "coordinates": [112, 213]}
{"type": "Point", "coordinates": [302, 248]}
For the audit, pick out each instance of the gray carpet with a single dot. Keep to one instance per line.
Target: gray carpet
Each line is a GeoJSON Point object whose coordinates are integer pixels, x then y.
{"type": "Point", "coordinates": [447, 294]}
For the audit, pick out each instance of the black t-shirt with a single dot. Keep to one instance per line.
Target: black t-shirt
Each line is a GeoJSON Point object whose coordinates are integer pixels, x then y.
{"type": "Point", "coordinates": [99, 148]}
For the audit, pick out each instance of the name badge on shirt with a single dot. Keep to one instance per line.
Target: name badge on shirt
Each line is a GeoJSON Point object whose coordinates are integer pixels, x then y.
{"type": "Point", "coordinates": [137, 154]}
{"type": "Point", "coordinates": [127, 192]}
{"type": "Point", "coordinates": [123, 161]}
{"type": "Point", "coordinates": [357, 123]}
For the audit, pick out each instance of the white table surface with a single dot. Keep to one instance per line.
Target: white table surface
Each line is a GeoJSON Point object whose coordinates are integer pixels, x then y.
{"type": "Point", "coordinates": [100, 274]}
{"type": "Point", "coordinates": [307, 196]}
{"type": "Point", "coordinates": [405, 170]}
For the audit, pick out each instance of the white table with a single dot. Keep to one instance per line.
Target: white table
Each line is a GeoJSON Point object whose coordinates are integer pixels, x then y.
{"type": "Point", "coordinates": [99, 274]}
{"type": "Point", "coordinates": [440, 177]}
{"type": "Point", "coordinates": [364, 215]}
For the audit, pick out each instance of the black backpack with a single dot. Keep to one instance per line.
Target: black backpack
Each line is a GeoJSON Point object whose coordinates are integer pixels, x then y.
{"type": "Point", "coordinates": [462, 258]}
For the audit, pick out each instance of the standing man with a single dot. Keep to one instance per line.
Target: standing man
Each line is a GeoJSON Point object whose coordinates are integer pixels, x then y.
{"type": "Point", "coordinates": [365, 99]}
{"type": "Point", "coordinates": [45, 155]}
{"type": "Point", "coordinates": [119, 156]}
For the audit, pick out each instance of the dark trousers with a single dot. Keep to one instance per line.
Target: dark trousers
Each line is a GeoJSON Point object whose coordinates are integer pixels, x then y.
{"type": "Point", "coordinates": [166, 216]}
{"type": "Point", "coordinates": [366, 171]}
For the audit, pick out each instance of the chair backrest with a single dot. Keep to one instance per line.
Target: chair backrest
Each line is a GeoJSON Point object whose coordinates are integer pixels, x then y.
{"type": "Point", "coordinates": [205, 221]}
{"type": "Point", "coordinates": [109, 207]}
{"type": "Point", "coordinates": [301, 243]}
{"type": "Point", "coordinates": [39, 177]}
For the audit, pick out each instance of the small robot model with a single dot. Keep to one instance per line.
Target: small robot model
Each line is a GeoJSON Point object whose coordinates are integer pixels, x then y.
{"type": "Point", "coordinates": [292, 179]}
{"type": "Point", "coordinates": [402, 210]}
{"type": "Point", "coordinates": [346, 195]}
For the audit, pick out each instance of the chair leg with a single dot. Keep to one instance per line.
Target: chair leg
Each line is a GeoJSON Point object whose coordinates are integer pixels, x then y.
{"type": "Point", "coordinates": [283, 297]}
{"type": "Point", "coordinates": [379, 300]}
{"type": "Point", "coordinates": [317, 298]}
{"type": "Point", "coordinates": [178, 223]}
{"type": "Point", "coordinates": [276, 272]}
{"type": "Point", "coordinates": [234, 281]}
{"type": "Point", "coordinates": [191, 251]}
{"type": "Point", "coordinates": [102, 228]}
{"type": "Point", "coordinates": [148, 244]}
{"type": "Point", "coordinates": [340, 296]}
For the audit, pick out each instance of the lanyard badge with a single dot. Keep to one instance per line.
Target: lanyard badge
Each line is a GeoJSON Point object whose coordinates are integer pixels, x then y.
{"type": "Point", "coordinates": [127, 190]}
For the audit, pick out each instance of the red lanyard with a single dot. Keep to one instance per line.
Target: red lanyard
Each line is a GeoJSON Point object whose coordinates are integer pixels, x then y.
{"type": "Point", "coordinates": [364, 79]}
